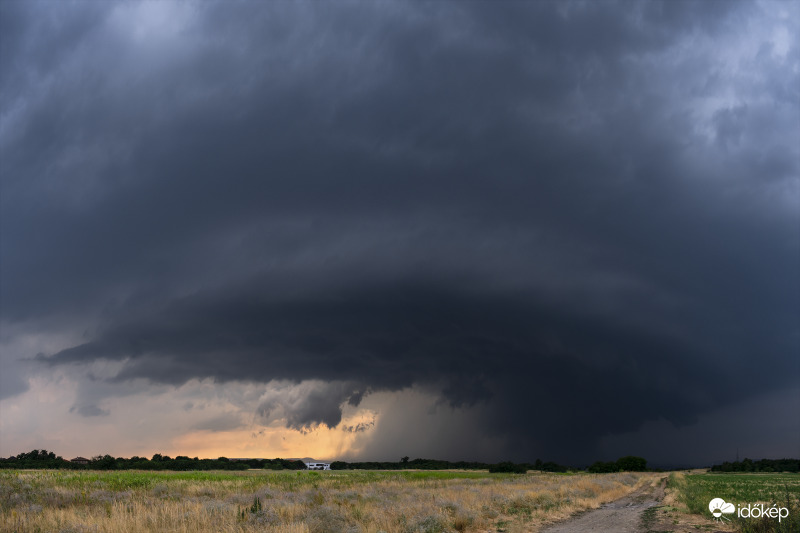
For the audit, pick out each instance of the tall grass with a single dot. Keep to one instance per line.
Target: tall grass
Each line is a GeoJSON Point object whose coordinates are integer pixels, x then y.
{"type": "Point", "coordinates": [307, 502]}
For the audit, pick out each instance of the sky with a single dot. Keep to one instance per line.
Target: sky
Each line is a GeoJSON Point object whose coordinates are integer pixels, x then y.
{"type": "Point", "coordinates": [367, 230]}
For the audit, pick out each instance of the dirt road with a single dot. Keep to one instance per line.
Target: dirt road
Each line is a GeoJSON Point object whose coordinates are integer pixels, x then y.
{"type": "Point", "coordinates": [620, 516]}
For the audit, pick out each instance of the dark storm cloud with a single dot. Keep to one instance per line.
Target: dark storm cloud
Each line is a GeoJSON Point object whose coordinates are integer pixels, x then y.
{"type": "Point", "coordinates": [578, 373]}
{"type": "Point", "coordinates": [311, 405]}
{"type": "Point", "coordinates": [360, 427]}
{"type": "Point", "coordinates": [513, 205]}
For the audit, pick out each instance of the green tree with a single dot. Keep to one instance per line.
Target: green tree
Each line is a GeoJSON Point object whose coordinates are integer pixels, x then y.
{"type": "Point", "coordinates": [599, 467]}
{"type": "Point", "coordinates": [631, 463]}
{"type": "Point", "coordinates": [509, 467]}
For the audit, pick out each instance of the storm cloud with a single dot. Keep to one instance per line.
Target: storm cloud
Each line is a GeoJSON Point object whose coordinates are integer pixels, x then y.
{"type": "Point", "coordinates": [571, 220]}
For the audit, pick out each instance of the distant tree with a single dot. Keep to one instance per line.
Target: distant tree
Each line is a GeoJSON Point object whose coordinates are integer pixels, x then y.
{"type": "Point", "coordinates": [600, 467]}
{"type": "Point", "coordinates": [550, 466]}
{"type": "Point", "coordinates": [103, 462]}
{"type": "Point", "coordinates": [293, 465]}
{"type": "Point", "coordinates": [507, 467]}
{"type": "Point", "coordinates": [631, 463]}
{"type": "Point", "coordinates": [404, 460]}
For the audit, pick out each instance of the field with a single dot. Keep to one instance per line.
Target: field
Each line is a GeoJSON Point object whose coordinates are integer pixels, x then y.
{"type": "Point", "coordinates": [313, 502]}
{"type": "Point", "coordinates": [693, 492]}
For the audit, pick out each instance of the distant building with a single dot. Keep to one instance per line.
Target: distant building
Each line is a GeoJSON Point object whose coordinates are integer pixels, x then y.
{"type": "Point", "coordinates": [318, 466]}
{"type": "Point", "coordinates": [80, 461]}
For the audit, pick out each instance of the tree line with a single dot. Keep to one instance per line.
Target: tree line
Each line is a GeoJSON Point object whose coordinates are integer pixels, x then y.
{"type": "Point", "coordinates": [763, 465]}
{"type": "Point", "coordinates": [629, 463]}
{"type": "Point", "coordinates": [43, 459]}
{"type": "Point", "coordinates": [436, 464]}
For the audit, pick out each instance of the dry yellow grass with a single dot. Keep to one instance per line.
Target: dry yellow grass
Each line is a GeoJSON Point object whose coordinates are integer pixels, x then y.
{"type": "Point", "coordinates": [305, 502]}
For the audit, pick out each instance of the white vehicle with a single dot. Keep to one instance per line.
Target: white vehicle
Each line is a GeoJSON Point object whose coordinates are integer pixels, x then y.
{"type": "Point", "coordinates": [318, 466]}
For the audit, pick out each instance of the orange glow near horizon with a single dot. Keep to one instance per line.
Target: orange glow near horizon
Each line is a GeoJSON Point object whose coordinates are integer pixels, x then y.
{"type": "Point", "coordinates": [150, 426]}
{"type": "Point", "coordinates": [269, 442]}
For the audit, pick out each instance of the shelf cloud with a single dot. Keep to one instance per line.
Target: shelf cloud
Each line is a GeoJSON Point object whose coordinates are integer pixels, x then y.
{"type": "Point", "coordinates": [564, 222]}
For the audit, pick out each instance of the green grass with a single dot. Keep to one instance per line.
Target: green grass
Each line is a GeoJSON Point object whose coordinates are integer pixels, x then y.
{"type": "Point", "coordinates": [783, 490]}
{"type": "Point", "coordinates": [649, 517]}
{"type": "Point", "coordinates": [246, 480]}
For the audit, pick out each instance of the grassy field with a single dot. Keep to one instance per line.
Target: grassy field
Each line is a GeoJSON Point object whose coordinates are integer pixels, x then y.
{"type": "Point", "coordinates": [695, 491]}
{"type": "Point", "coordinates": [313, 502]}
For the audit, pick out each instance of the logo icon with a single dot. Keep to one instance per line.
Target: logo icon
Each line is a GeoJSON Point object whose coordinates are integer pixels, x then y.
{"type": "Point", "coordinates": [719, 507]}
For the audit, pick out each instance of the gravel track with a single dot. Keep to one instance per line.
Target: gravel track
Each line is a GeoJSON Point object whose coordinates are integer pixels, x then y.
{"type": "Point", "coordinates": [620, 516]}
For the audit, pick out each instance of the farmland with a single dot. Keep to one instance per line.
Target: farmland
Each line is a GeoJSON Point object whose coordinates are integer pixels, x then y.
{"type": "Point", "coordinates": [691, 493]}
{"type": "Point", "coordinates": [313, 502]}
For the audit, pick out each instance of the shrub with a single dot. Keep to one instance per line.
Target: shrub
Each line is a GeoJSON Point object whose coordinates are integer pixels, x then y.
{"type": "Point", "coordinates": [428, 524]}
{"type": "Point", "coordinates": [463, 520]}
{"type": "Point", "coordinates": [326, 520]}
